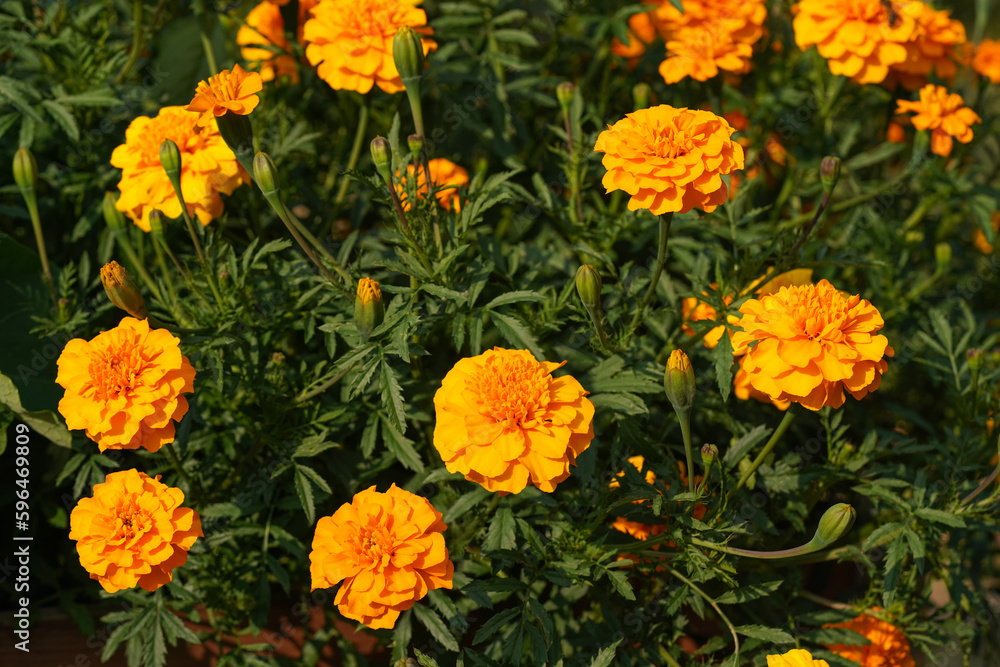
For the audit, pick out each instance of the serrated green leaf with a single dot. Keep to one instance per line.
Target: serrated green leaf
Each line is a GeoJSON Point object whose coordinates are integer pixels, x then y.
{"type": "Point", "coordinates": [723, 357]}
{"type": "Point", "coordinates": [494, 624]}
{"type": "Point", "coordinates": [64, 117]}
{"type": "Point", "coordinates": [939, 516]}
{"type": "Point", "coordinates": [401, 447]}
{"type": "Point", "coordinates": [606, 655]}
{"type": "Point", "coordinates": [501, 534]}
{"type": "Point", "coordinates": [392, 398]}
{"type": "Point", "coordinates": [517, 333]}
{"type": "Point", "coordinates": [764, 633]}
{"type": "Point", "coordinates": [514, 297]}
{"type": "Point", "coordinates": [430, 620]}
{"type": "Point", "coordinates": [748, 593]}
{"type": "Point", "coordinates": [305, 492]}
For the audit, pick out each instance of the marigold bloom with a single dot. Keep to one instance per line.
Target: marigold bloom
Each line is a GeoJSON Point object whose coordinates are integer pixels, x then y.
{"type": "Point", "coordinates": [133, 531]}
{"type": "Point", "coordinates": [895, 134]}
{"type": "Point", "coordinates": [861, 39]}
{"type": "Point", "coordinates": [669, 160]}
{"type": "Point", "coordinates": [351, 41]}
{"type": "Point", "coordinates": [744, 391]}
{"type": "Point", "coordinates": [979, 238]}
{"type": "Point", "coordinates": [700, 53]}
{"type": "Point", "coordinates": [226, 92]}
{"type": "Point", "coordinates": [444, 174]}
{"type": "Point", "coordinates": [503, 421]}
{"type": "Point", "coordinates": [265, 26]}
{"type": "Point", "coordinates": [641, 33]}
{"type": "Point", "coordinates": [388, 550]}
{"type": "Point", "coordinates": [936, 45]}
{"type": "Point", "coordinates": [888, 646]}
{"type": "Point", "coordinates": [795, 658]}
{"type": "Point", "coordinates": [986, 60]}
{"type": "Point", "coordinates": [208, 168]}
{"type": "Point", "coordinates": [124, 387]}
{"type": "Point", "coordinates": [812, 342]}
{"type": "Point", "coordinates": [944, 114]}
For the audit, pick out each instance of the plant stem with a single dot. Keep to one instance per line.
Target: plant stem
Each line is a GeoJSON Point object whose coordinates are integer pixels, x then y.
{"type": "Point", "coordinates": [982, 485]}
{"type": "Point", "coordinates": [36, 224]}
{"type": "Point", "coordinates": [137, 42]}
{"type": "Point", "coordinates": [352, 160]}
{"type": "Point", "coordinates": [595, 317]}
{"type": "Point", "coordinates": [206, 39]}
{"type": "Point", "coordinates": [176, 463]}
{"type": "Point", "coordinates": [690, 584]}
{"type": "Point", "coordinates": [661, 259]}
{"type": "Point", "coordinates": [826, 602]}
{"type": "Point", "coordinates": [812, 223]}
{"type": "Point", "coordinates": [760, 555]}
{"type": "Point", "coordinates": [162, 264]}
{"type": "Point", "coordinates": [684, 419]}
{"type": "Point", "coordinates": [121, 238]}
{"type": "Point", "coordinates": [209, 274]}
{"type": "Point", "coordinates": [306, 395]}
{"type": "Point", "coordinates": [407, 233]}
{"type": "Point", "coordinates": [786, 421]}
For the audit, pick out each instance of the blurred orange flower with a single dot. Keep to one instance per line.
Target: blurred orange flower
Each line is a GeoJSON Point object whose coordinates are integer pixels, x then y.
{"type": "Point", "coordinates": [979, 238]}
{"type": "Point", "coordinates": [888, 645]}
{"type": "Point", "coordinates": [944, 114]}
{"type": "Point", "coordinates": [133, 531]}
{"type": "Point", "coordinates": [226, 92]}
{"type": "Point", "coordinates": [798, 657]}
{"type": "Point", "coordinates": [812, 342]}
{"type": "Point", "coordinates": [443, 173]}
{"type": "Point", "coordinates": [208, 168]}
{"type": "Point", "coordinates": [265, 26]}
{"type": "Point", "coordinates": [124, 387]}
{"type": "Point", "coordinates": [700, 53]}
{"type": "Point", "coordinates": [669, 160]}
{"type": "Point", "coordinates": [351, 41]}
{"type": "Point", "coordinates": [937, 44]}
{"type": "Point", "coordinates": [986, 60]}
{"type": "Point", "coordinates": [503, 421]}
{"type": "Point", "coordinates": [388, 550]}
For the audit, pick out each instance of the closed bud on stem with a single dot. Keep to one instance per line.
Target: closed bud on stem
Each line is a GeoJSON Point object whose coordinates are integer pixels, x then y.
{"type": "Point", "coordinates": [408, 54]}
{"type": "Point", "coordinates": [265, 173]}
{"type": "Point", "coordinates": [368, 308]}
{"type": "Point", "coordinates": [156, 223]}
{"type": "Point", "coordinates": [588, 285]}
{"type": "Point", "coordinates": [679, 381]}
{"type": "Point", "coordinates": [170, 158]}
{"type": "Point", "coordinates": [640, 96]}
{"type": "Point", "coordinates": [382, 159]}
{"type": "Point", "coordinates": [122, 290]}
{"type": "Point", "coordinates": [708, 455]}
{"type": "Point", "coordinates": [942, 255]}
{"type": "Point", "coordinates": [416, 144]}
{"type": "Point", "coordinates": [834, 523]}
{"type": "Point", "coordinates": [975, 358]}
{"type": "Point", "coordinates": [112, 216]}
{"type": "Point", "coordinates": [564, 94]}
{"type": "Point", "coordinates": [829, 173]}
{"type": "Point", "coordinates": [25, 170]}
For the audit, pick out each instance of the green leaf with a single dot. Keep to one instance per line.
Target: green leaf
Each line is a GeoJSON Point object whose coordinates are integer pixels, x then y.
{"type": "Point", "coordinates": [514, 297]}
{"type": "Point", "coordinates": [881, 535]}
{"type": "Point", "coordinates": [465, 503]}
{"type": "Point", "coordinates": [401, 447]}
{"type": "Point", "coordinates": [501, 532]}
{"type": "Point", "coordinates": [313, 446]}
{"type": "Point", "coordinates": [607, 654]}
{"type": "Point", "coordinates": [44, 422]}
{"type": "Point", "coordinates": [401, 635]}
{"type": "Point", "coordinates": [938, 516]}
{"type": "Point", "coordinates": [743, 446]}
{"type": "Point", "coordinates": [619, 580]}
{"type": "Point", "coordinates": [13, 91]}
{"type": "Point", "coordinates": [770, 635]}
{"type": "Point", "coordinates": [748, 593]}
{"type": "Point", "coordinates": [430, 620]}
{"type": "Point", "coordinates": [517, 333]}
{"type": "Point", "coordinates": [64, 117]}
{"type": "Point", "coordinates": [314, 476]}
{"type": "Point", "coordinates": [498, 621]}
{"type": "Point", "coordinates": [628, 404]}
{"type": "Point", "coordinates": [305, 492]}
{"type": "Point", "coordinates": [894, 557]}
{"type": "Point", "coordinates": [723, 355]}
{"type": "Point", "coordinates": [102, 97]}
{"type": "Point", "coordinates": [392, 398]}
{"type": "Point", "coordinates": [443, 292]}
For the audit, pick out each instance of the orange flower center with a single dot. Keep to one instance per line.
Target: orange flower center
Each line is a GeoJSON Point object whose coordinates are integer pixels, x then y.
{"type": "Point", "coordinates": [115, 373]}
{"type": "Point", "coordinates": [175, 125]}
{"type": "Point", "coordinates": [130, 524]}
{"type": "Point", "coordinates": [369, 19]}
{"type": "Point", "coordinates": [823, 321]}
{"type": "Point", "coordinates": [221, 87]}
{"type": "Point", "coordinates": [514, 391]}
{"type": "Point", "coordinates": [377, 544]}
{"type": "Point", "coordinates": [670, 141]}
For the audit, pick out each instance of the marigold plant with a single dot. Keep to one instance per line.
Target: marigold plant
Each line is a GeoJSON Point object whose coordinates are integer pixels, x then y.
{"type": "Point", "coordinates": [447, 179]}
{"type": "Point", "coordinates": [227, 92]}
{"type": "Point", "coordinates": [944, 114]}
{"type": "Point", "coordinates": [887, 646]}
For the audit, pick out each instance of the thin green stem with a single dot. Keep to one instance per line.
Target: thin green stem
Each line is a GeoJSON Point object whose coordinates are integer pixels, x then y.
{"type": "Point", "coordinates": [786, 421]}
{"type": "Point", "coordinates": [121, 238]}
{"type": "Point", "coordinates": [595, 317]}
{"type": "Point", "coordinates": [725, 619]}
{"type": "Point", "coordinates": [206, 38]}
{"type": "Point", "coordinates": [661, 259]}
{"type": "Point", "coordinates": [174, 301]}
{"type": "Point", "coordinates": [802, 550]}
{"type": "Point", "coordinates": [847, 203]}
{"type": "Point", "coordinates": [306, 395]}
{"type": "Point", "coordinates": [985, 483]}
{"type": "Point", "coordinates": [209, 274]}
{"type": "Point", "coordinates": [36, 224]}
{"type": "Point", "coordinates": [176, 463]}
{"type": "Point", "coordinates": [137, 42]}
{"type": "Point", "coordinates": [279, 207]}
{"type": "Point", "coordinates": [352, 160]}
{"type": "Point", "coordinates": [684, 419]}
{"type": "Point", "coordinates": [407, 232]}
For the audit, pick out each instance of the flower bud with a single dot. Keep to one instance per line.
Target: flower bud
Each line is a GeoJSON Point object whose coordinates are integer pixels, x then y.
{"type": "Point", "coordinates": [834, 523]}
{"type": "Point", "coordinates": [25, 170]}
{"type": "Point", "coordinates": [829, 173]}
{"type": "Point", "coordinates": [112, 216]}
{"type": "Point", "coordinates": [170, 158]}
{"type": "Point", "coordinates": [975, 357]}
{"type": "Point", "coordinates": [942, 254]}
{"type": "Point", "coordinates": [679, 381]}
{"type": "Point", "coordinates": [122, 290]}
{"type": "Point", "coordinates": [156, 223]}
{"type": "Point", "coordinates": [265, 173]}
{"type": "Point", "coordinates": [708, 455]}
{"type": "Point", "coordinates": [564, 93]}
{"type": "Point", "coordinates": [408, 54]}
{"type": "Point", "coordinates": [640, 96]}
{"type": "Point", "coordinates": [416, 144]}
{"type": "Point", "coordinates": [382, 159]}
{"type": "Point", "coordinates": [368, 308]}
{"type": "Point", "coordinates": [588, 284]}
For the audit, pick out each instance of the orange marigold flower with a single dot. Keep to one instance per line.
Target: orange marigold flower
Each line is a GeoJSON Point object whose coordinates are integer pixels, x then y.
{"type": "Point", "coordinates": [798, 657]}
{"type": "Point", "coordinates": [351, 41]}
{"type": "Point", "coordinates": [861, 39]}
{"type": "Point", "coordinates": [504, 421]}
{"type": "Point", "coordinates": [812, 342]}
{"type": "Point", "coordinates": [124, 387]}
{"type": "Point", "coordinates": [208, 168]}
{"type": "Point", "coordinates": [447, 178]}
{"type": "Point", "coordinates": [700, 53]}
{"type": "Point", "coordinates": [226, 92]}
{"type": "Point", "coordinates": [895, 134]}
{"type": "Point", "coordinates": [944, 114]}
{"type": "Point", "coordinates": [641, 33]}
{"type": "Point", "coordinates": [745, 391]}
{"type": "Point", "coordinates": [669, 160]}
{"type": "Point", "coordinates": [304, 8]}
{"type": "Point", "coordinates": [264, 26]}
{"type": "Point", "coordinates": [888, 645]}
{"type": "Point", "coordinates": [935, 45]}
{"type": "Point", "coordinates": [133, 531]}
{"type": "Point", "coordinates": [986, 60]}
{"type": "Point", "coordinates": [388, 550]}
{"type": "Point", "coordinates": [979, 238]}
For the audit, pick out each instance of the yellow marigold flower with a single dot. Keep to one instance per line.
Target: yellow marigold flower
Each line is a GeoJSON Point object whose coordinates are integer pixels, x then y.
{"type": "Point", "coordinates": [445, 174]}
{"type": "Point", "coordinates": [388, 550]}
{"type": "Point", "coordinates": [208, 168]}
{"type": "Point", "coordinates": [124, 387]}
{"type": "Point", "coordinates": [669, 160]}
{"type": "Point", "coordinates": [641, 33]}
{"type": "Point", "coordinates": [503, 421]}
{"type": "Point", "coordinates": [351, 41]}
{"type": "Point", "coordinates": [944, 114]}
{"type": "Point", "coordinates": [226, 92]}
{"type": "Point", "coordinates": [265, 26]}
{"type": "Point", "coordinates": [936, 45]}
{"type": "Point", "coordinates": [133, 531]}
{"type": "Point", "coordinates": [812, 342]}
{"type": "Point", "coordinates": [986, 60]}
{"type": "Point", "coordinates": [700, 53]}
{"type": "Point", "coordinates": [979, 239]}
{"type": "Point", "coordinates": [745, 391]}
{"type": "Point", "coordinates": [861, 39]}
{"type": "Point", "coordinates": [888, 646]}
{"type": "Point", "coordinates": [795, 658]}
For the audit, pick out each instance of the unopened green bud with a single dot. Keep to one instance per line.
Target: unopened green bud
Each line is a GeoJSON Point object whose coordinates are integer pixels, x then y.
{"type": "Point", "coordinates": [382, 158]}
{"type": "Point", "coordinates": [829, 173]}
{"type": "Point", "coordinates": [265, 173]}
{"type": "Point", "coordinates": [679, 381]}
{"type": "Point", "coordinates": [170, 158]}
{"type": "Point", "coordinates": [564, 94]}
{"type": "Point", "coordinates": [975, 357]}
{"type": "Point", "coordinates": [368, 308]}
{"type": "Point", "coordinates": [588, 284]}
{"type": "Point", "coordinates": [122, 290]}
{"type": "Point", "coordinates": [640, 96]}
{"type": "Point", "coordinates": [408, 54]}
{"type": "Point", "coordinates": [112, 216]}
{"type": "Point", "coordinates": [156, 223]}
{"type": "Point", "coordinates": [834, 523]}
{"type": "Point", "coordinates": [25, 170]}
{"type": "Point", "coordinates": [416, 144]}
{"type": "Point", "coordinates": [942, 255]}
{"type": "Point", "coordinates": [708, 455]}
